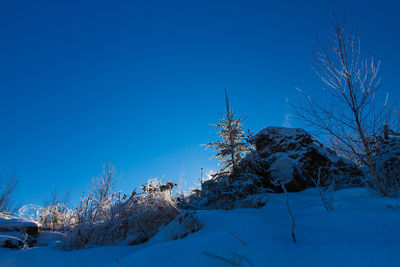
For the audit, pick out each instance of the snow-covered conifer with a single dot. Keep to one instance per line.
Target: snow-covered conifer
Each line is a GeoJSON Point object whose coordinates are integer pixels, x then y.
{"type": "Point", "coordinates": [232, 145]}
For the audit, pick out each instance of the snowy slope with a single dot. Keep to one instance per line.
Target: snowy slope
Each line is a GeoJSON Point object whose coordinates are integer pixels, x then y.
{"type": "Point", "coordinates": [363, 230]}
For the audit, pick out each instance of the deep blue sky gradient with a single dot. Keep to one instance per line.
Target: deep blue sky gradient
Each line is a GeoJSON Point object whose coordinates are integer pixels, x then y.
{"type": "Point", "coordinates": [137, 82]}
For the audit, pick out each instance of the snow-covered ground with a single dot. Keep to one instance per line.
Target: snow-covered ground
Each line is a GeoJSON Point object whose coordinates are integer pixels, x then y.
{"type": "Point", "coordinates": [363, 230]}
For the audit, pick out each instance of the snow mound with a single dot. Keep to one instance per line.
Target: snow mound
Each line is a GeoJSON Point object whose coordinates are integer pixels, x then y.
{"type": "Point", "coordinates": [361, 231]}
{"type": "Point", "coordinates": [48, 238]}
{"type": "Point", "coordinates": [185, 223]}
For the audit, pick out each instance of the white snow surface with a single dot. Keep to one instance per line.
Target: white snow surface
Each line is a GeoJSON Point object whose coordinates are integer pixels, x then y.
{"type": "Point", "coordinates": [363, 230]}
{"type": "Point", "coordinates": [282, 131]}
{"type": "Point", "coordinates": [282, 170]}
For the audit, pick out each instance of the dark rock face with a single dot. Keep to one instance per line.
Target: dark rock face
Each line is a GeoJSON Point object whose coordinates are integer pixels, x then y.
{"type": "Point", "coordinates": [294, 153]}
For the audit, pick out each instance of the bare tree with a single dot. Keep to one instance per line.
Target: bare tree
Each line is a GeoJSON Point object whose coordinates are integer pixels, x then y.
{"type": "Point", "coordinates": [7, 187]}
{"type": "Point", "coordinates": [350, 111]}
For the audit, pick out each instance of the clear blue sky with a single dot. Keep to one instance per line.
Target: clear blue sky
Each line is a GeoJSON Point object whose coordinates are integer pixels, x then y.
{"type": "Point", "coordinates": [137, 82]}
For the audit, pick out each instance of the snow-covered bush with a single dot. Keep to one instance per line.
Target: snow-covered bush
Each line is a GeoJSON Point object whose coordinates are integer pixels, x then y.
{"type": "Point", "coordinates": [189, 200]}
{"type": "Point", "coordinates": [222, 192]}
{"type": "Point", "coordinates": [56, 217]}
{"type": "Point", "coordinates": [254, 201]}
{"type": "Point", "coordinates": [115, 219]}
{"type": "Point", "coordinates": [387, 164]}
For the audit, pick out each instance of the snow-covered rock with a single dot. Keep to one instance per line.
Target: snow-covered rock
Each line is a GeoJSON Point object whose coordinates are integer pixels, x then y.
{"type": "Point", "coordinates": [282, 156]}
{"type": "Point", "coordinates": [7, 241]}
{"type": "Point", "coordinates": [293, 155]}
{"type": "Point", "coordinates": [19, 225]}
{"type": "Point", "coordinates": [282, 170]}
{"type": "Point", "coordinates": [279, 139]}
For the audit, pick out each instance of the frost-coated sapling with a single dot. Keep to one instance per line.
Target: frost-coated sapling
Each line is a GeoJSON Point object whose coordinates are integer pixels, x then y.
{"type": "Point", "coordinates": [232, 145]}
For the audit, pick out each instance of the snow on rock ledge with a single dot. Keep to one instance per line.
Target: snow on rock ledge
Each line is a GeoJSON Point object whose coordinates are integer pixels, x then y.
{"type": "Point", "coordinates": [278, 139]}
{"type": "Point", "coordinates": [19, 225]}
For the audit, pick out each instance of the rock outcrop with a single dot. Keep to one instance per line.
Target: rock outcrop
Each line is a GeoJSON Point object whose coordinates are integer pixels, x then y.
{"type": "Point", "coordinates": [292, 153]}
{"type": "Point", "coordinates": [19, 225]}
{"type": "Point", "coordinates": [17, 233]}
{"type": "Point", "coordinates": [282, 156]}
{"type": "Point", "coordinates": [12, 242]}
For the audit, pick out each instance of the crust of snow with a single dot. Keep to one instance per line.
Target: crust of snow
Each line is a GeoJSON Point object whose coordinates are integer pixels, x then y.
{"type": "Point", "coordinates": [361, 231]}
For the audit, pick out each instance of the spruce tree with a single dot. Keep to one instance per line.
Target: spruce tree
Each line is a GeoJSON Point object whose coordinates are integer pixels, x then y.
{"type": "Point", "coordinates": [232, 145]}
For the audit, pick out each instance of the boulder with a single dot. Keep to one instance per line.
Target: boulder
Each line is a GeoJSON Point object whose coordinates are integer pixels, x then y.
{"type": "Point", "coordinates": [11, 242]}
{"type": "Point", "coordinates": [293, 155]}
{"type": "Point", "coordinates": [282, 156]}
{"type": "Point", "coordinates": [19, 225]}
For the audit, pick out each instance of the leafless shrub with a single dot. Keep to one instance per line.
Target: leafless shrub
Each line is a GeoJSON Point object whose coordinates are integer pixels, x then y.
{"type": "Point", "coordinates": [7, 188]}
{"type": "Point", "coordinates": [326, 192]}
{"type": "Point", "coordinates": [350, 111]}
{"type": "Point", "coordinates": [55, 215]}
{"type": "Point", "coordinates": [105, 217]}
{"type": "Point", "coordinates": [94, 209]}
